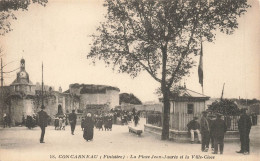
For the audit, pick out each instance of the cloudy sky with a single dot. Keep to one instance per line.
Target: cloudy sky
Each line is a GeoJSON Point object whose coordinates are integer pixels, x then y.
{"type": "Point", "coordinates": [58, 36]}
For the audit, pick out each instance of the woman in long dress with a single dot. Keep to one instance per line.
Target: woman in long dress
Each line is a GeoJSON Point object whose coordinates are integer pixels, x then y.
{"type": "Point", "coordinates": [88, 128]}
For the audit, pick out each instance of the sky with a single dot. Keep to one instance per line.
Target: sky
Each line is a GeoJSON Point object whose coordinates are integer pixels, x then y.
{"type": "Point", "coordinates": [59, 36]}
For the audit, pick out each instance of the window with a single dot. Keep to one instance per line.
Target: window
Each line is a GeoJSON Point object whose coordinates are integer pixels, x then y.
{"type": "Point", "coordinates": [190, 109]}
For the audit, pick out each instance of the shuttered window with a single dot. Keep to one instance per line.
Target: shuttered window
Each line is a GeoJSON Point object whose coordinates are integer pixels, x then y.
{"type": "Point", "coordinates": [190, 109]}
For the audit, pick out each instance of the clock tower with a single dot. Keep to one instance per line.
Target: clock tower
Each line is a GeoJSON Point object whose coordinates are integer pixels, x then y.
{"type": "Point", "coordinates": [22, 95]}
{"type": "Point", "coordinates": [22, 75]}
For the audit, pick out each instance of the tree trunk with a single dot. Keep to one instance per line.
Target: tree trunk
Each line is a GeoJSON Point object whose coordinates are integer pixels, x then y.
{"type": "Point", "coordinates": [166, 111]}
{"type": "Point", "coordinates": [166, 102]}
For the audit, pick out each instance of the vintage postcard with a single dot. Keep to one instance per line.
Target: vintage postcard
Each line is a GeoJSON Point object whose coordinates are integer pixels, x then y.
{"type": "Point", "coordinates": [129, 80]}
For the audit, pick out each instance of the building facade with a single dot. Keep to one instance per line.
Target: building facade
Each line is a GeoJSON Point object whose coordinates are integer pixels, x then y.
{"type": "Point", "coordinates": [99, 96]}
{"type": "Point", "coordinates": [22, 98]}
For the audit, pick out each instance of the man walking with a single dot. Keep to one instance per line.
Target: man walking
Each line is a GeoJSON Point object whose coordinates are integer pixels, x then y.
{"type": "Point", "coordinates": [73, 121]}
{"type": "Point", "coordinates": [244, 127]}
{"type": "Point", "coordinates": [194, 126]}
{"type": "Point", "coordinates": [218, 128]}
{"type": "Point", "coordinates": [43, 121]}
{"type": "Point", "coordinates": [136, 119]}
{"type": "Point", "coordinates": [205, 132]}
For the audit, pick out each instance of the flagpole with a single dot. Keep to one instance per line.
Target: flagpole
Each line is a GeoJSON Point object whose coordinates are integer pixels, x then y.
{"type": "Point", "coordinates": [42, 87]}
{"type": "Point", "coordinates": [222, 92]}
{"type": "Point", "coordinates": [200, 68]}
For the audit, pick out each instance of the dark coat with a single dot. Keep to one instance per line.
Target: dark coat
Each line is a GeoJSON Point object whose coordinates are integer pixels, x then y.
{"type": "Point", "coordinates": [100, 123]}
{"type": "Point", "coordinates": [88, 129]}
{"type": "Point", "coordinates": [73, 118]}
{"type": "Point", "coordinates": [204, 125]}
{"type": "Point", "coordinates": [218, 128]}
{"type": "Point", "coordinates": [82, 124]}
{"type": "Point", "coordinates": [43, 118]}
{"type": "Point", "coordinates": [244, 124]}
{"type": "Point", "coordinates": [136, 119]}
{"type": "Point", "coordinates": [193, 125]}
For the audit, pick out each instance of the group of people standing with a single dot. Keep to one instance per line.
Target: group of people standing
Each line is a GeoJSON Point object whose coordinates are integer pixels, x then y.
{"type": "Point", "coordinates": [103, 120]}
{"type": "Point", "coordinates": [209, 128]}
{"type": "Point", "coordinates": [213, 128]}
{"type": "Point", "coordinates": [60, 123]}
{"type": "Point", "coordinates": [30, 121]}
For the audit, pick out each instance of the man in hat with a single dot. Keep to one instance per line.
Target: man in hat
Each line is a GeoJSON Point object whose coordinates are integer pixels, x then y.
{"type": "Point", "coordinates": [43, 121]}
{"type": "Point", "coordinates": [205, 132]}
{"type": "Point", "coordinates": [218, 130]}
{"type": "Point", "coordinates": [73, 121]}
{"type": "Point", "coordinates": [211, 119]}
{"type": "Point", "coordinates": [194, 126]}
{"type": "Point", "coordinates": [244, 127]}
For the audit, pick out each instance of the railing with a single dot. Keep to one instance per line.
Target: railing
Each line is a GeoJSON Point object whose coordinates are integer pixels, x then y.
{"type": "Point", "coordinates": [154, 119]}
{"type": "Point", "coordinates": [179, 121]}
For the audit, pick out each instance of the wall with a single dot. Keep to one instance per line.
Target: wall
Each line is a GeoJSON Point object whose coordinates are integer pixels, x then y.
{"type": "Point", "coordinates": [182, 107]}
{"type": "Point", "coordinates": [20, 107]}
{"type": "Point", "coordinates": [71, 103]}
{"type": "Point", "coordinates": [145, 107]}
{"type": "Point", "coordinates": [111, 97]}
{"type": "Point", "coordinates": [27, 89]}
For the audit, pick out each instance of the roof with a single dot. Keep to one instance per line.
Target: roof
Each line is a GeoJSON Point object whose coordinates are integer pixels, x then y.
{"type": "Point", "coordinates": [190, 93]}
{"type": "Point", "coordinates": [22, 81]}
{"type": "Point", "coordinates": [185, 94]}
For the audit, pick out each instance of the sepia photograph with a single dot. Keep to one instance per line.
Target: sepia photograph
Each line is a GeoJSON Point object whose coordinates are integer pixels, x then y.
{"type": "Point", "coordinates": [129, 80]}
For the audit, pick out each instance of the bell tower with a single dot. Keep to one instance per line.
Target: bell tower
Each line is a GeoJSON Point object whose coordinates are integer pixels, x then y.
{"type": "Point", "coordinates": [21, 96]}
{"type": "Point", "coordinates": [22, 64]}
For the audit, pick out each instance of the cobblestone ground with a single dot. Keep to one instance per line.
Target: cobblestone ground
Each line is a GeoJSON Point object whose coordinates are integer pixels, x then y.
{"type": "Point", "coordinates": [20, 143]}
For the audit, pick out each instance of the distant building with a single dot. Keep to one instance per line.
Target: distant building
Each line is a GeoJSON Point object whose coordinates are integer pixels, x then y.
{"type": "Point", "coordinates": [24, 98]}
{"type": "Point", "coordinates": [92, 96]}
{"type": "Point", "coordinates": [21, 96]}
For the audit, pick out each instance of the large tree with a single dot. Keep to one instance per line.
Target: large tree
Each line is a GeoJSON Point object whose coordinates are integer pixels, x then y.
{"type": "Point", "coordinates": [6, 11]}
{"type": "Point", "coordinates": [161, 37]}
{"type": "Point", "coordinates": [225, 107]}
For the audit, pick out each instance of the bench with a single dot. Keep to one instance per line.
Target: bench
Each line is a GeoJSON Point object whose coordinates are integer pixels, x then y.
{"type": "Point", "coordinates": [135, 130]}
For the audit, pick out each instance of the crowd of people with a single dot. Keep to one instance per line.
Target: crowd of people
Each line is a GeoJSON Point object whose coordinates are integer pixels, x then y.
{"type": "Point", "coordinates": [103, 121]}
{"type": "Point", "coordinates": [212, 128]}
{"type": "Point", "coordinates": [30, 121]}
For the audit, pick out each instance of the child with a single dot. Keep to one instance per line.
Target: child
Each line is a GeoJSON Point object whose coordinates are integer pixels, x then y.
{"type": "Point", "coordinates": [82, 124]}
{"type": "Point", "coordinates": [63, 123]}
{"type": "Point", "coordinates": [60, 123]}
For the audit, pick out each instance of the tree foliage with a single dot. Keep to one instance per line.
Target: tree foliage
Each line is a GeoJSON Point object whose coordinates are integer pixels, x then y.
{"type": "Point", "coordinates": [6, 11]}
{"type": "Point", "coordinates": [161, 37]}
{"type": "Point", "coordinates": [129, 98]}
{"type": "Point", "coordinates": [225, 107]}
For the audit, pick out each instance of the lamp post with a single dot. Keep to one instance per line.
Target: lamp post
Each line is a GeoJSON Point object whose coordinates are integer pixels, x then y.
{"type": "Point", "coordinates": [2, 88]}
{"type": "Point", "coordinates": [42, 87]}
